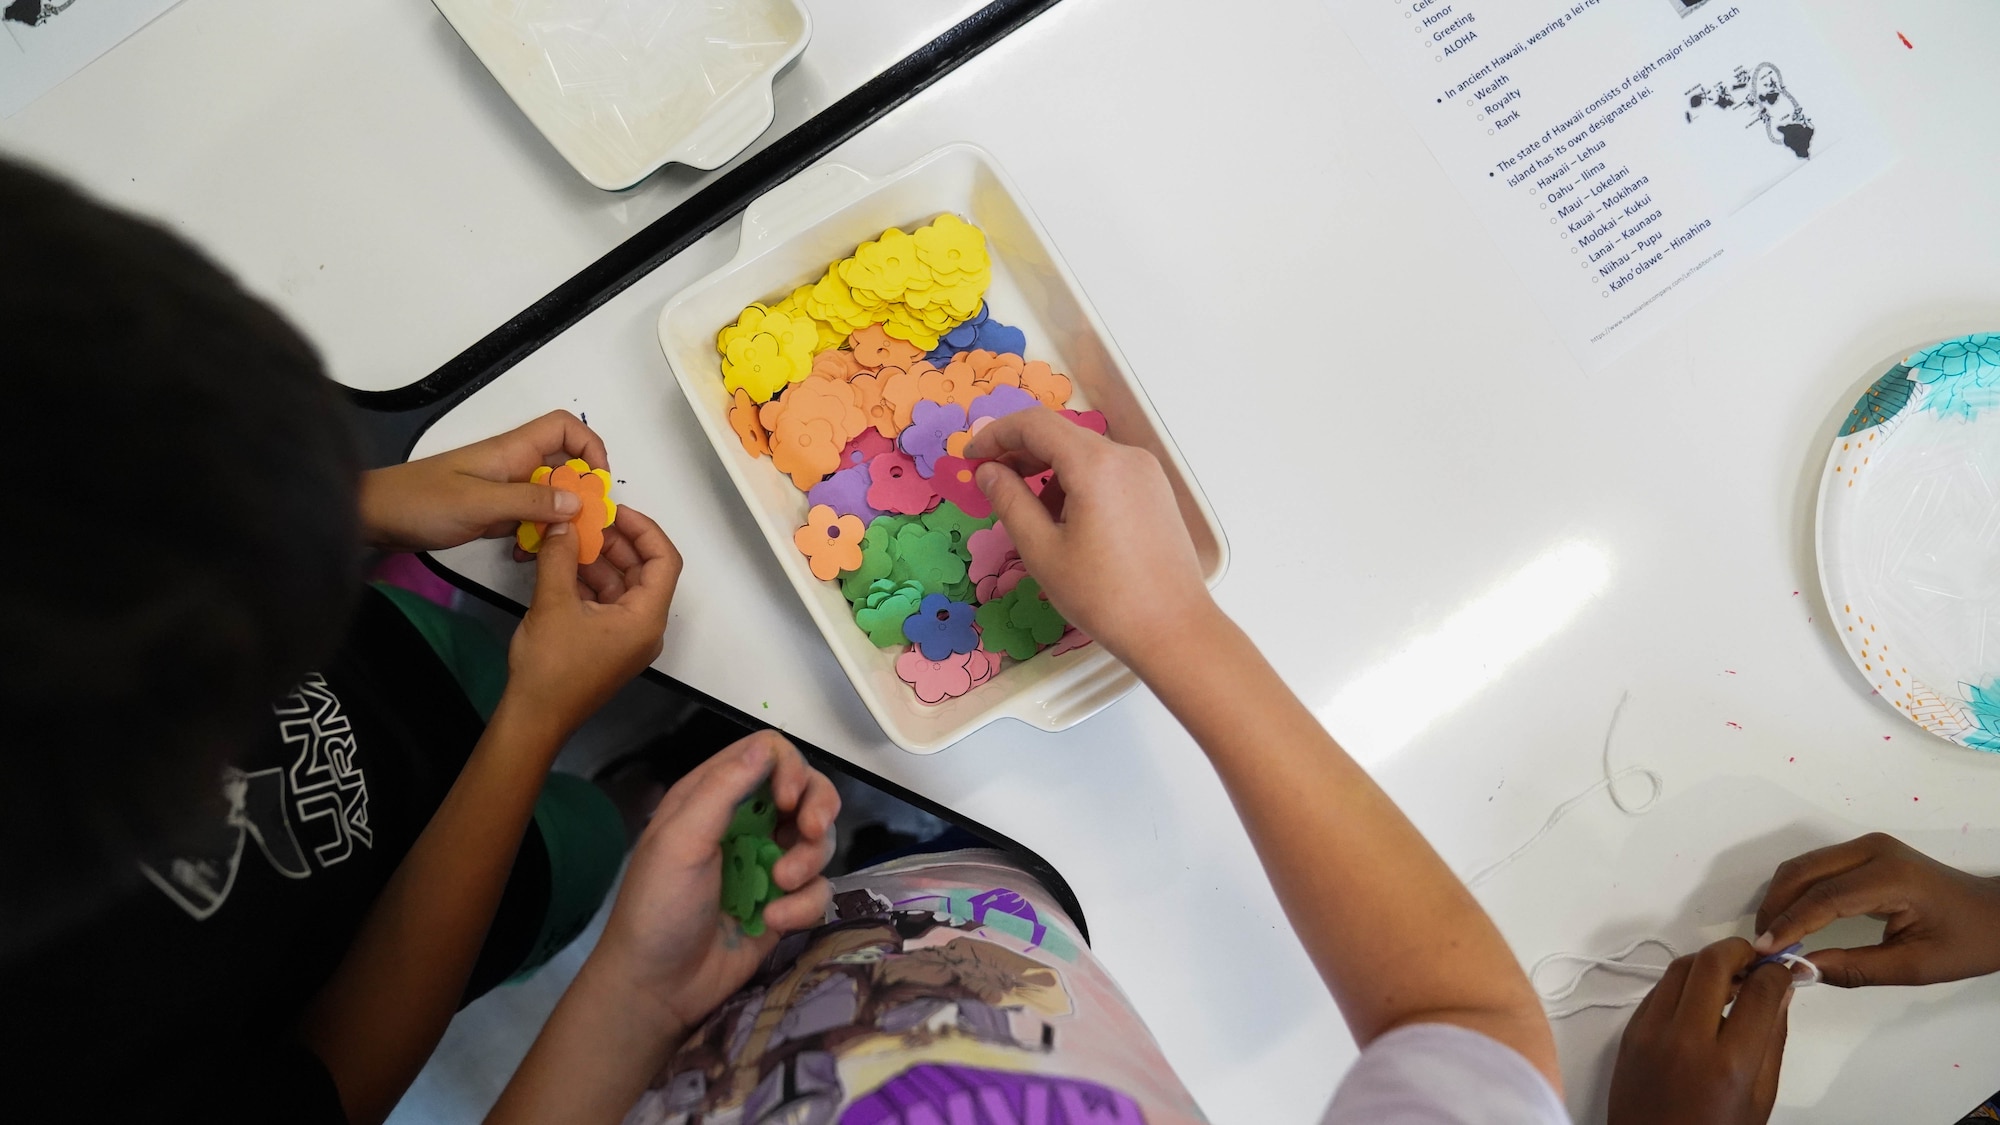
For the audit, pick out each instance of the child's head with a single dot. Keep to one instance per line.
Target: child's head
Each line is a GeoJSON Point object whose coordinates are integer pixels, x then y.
{"type": "Point", "coordinates": [184, 540]}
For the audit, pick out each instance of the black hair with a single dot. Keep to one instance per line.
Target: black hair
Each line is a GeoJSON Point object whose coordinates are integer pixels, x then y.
{"type": "Point", "coordinates": [182, 546]}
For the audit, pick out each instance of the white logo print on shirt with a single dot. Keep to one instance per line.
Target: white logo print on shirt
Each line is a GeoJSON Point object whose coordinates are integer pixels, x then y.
{"type": "Point", "coordinates": [328, 792]}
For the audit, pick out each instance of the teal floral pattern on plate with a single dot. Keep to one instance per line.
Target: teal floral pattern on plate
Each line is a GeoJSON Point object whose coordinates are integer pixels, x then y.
{"type": "Point", "coordinates": [1961, 377]}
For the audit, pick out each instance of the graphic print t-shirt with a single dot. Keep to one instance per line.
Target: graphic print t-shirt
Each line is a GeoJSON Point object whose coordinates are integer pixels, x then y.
{"type": "Point", "coordinates": [950, 990]}
{"type": "Point", "coordinates": [181, 1001]}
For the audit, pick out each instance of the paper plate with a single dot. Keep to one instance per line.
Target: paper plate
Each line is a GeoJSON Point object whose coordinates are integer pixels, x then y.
{"type": "Point", "coordinates": [1909, 538]}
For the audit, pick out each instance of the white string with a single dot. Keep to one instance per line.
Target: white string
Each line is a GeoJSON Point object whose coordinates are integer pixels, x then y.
{"type": "Point", "coordinates": [1615, 963]}
{"type": "Point", "coordinates": [1609, 783]}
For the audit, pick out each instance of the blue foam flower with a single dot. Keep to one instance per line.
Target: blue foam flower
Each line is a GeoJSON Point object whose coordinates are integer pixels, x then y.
{"type": "Point", "coordinates": [941, 627]}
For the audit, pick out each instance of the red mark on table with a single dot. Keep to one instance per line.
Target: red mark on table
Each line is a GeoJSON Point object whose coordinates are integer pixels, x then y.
{"type": "Point", "coordinates": [1906, 41]}
{"type": "Point", "coordinates": [1795, 593]}
{"type": "Point", "coordinates": [1793, 758]}
{"type": "Point", "coordinates": [1727, 723]}
{"type": "Point", "coordinates": [1885, 738]}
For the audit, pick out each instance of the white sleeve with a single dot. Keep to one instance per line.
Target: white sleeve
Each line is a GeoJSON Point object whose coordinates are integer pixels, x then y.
{"type": "Point", "coordinates": [1440, 1074]}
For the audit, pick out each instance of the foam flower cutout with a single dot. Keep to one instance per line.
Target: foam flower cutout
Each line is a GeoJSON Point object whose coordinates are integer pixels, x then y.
{"type": "Point", "coordinates": [956, 443]}
{"type": "Point", "coordinates": [1002, 584]}
{"type": "Point", "coordinates": [885, 267]}
{"type": "Point", "coordinates": [806, 449]}
{"type": "Point", "coordinates": [866, 446]}
{"type": "Point", "coordinates": [830, 541]}
{"type": "Point", "coordinates": [596, 511]}
{"type": "Point", "coordinates": [876, 348]}
{"type": "Point", "coordinates": [950, 245]}
{"type": "Point", "coordinates": [1073, 638]}
{"type": "Point", "coordinates": [957, 523]}
{"type": "Point", "coordinates": [832, 302]}
{"type": "Point", "coordinates": [903, 326]}
{"type": "Point", "coordinates": [992, 550]}
{"type": "Point", "coordinates": [846, 492]}
{"type": "Point", "coordinates": [983, 665]}
{"type": "Point", "coordinates": [749, 430]}
{"type": "Point", "coordinates": [952, 479]}
{"type": "Point", "coordinates": [1046, 384]}
{"type": "Point", "coordinates": [941, 628]}
{"type": "Point", "coordinates": [930, 424]}
{"type": "Point", "coordinates": [760, 365]}
{"type": "Point", "coordinates": [1031, 611]}
{"type": "Point", "coordinates": [830, 399]}
{"type": "Point", "coordinates": [889, 604]}
{"type": "Point", "coordinates": [900, 395]}
{"type": "Point", "coordinates": [1000, 402]}
{"type": "Point", "coordinates": [959, 339]}
{"type": "Point", "coordinates": [936, 680]}
{"type": "Point", "coordinates": [894, 485]}
{"type": "Point", "coordinates": [877, 559]}
{"type": "Point", "coordinates": [950, 387]}
{"type": "Point", "coordinates": [925, 557]}
{"type": "Point", "coordinates": [964, 590]}
{"type": "Point", "coordinates": [1092, 420]}
{"type": "Point", "coordinates": [995, 367]}
{"type": "Point", "coordinates": [795, 305]}
{"type": "Point", "coordinates": [881, 413]}
{"type": "Point", "coordinates": [998, 633]}
{"type": "Point", "coordinates": [836, 364]}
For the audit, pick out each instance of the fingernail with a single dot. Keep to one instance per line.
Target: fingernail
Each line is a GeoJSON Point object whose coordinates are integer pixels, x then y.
{"type": "Point", "coordinates": [986, 476]}
{"type": "Point", "coordinates": [556, 529]}
{"type": "Point", "coordinates": [1765, 943]}
{"type": "Point", "coordinates": [567, 503]}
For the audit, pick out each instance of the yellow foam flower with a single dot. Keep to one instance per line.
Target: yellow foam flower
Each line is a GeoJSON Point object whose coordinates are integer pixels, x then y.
{"type": "Point", "coordinates": [764, 364]}
{"type": "Point", "coordinates": [886, 266]}
{"type": "Point", "coordinates": [950, 245]}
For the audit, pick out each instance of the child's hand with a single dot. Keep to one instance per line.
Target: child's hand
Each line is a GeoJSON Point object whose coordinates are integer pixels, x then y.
{"type": "Point", "coordinates": [586, 634]}
{"type": "Point", "coordinates": [1943, 924]}
{"type": "Point", "coordinates": [1105, 539]}
{"type": "Point", "coordinates": [667, 937]}
{"type": "Point", "coordinates": [480, 491]}
{"type": "Point", "coordinates": [1682, 1063]}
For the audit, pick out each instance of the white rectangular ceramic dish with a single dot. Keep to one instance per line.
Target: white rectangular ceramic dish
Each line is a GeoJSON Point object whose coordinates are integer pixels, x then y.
{"type": "Point", "coordinates": [789, 237]}
{"type": "Point", "coordinates": [622, 87]}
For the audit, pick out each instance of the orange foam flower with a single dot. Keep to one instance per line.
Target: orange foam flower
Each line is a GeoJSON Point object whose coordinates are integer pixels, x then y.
{"type": "Point", "coordinates": [874, 347]}
{"type": "Point", "coordinates": [594, 514]}
{"type": "Point", "coordinates": [831, 543]}
{"type": "Point", "coordinates": [899, 387]}
{"type": "Point", "coordinates": [749, 429]}
{"type": "Point", "coordinates": [836, 364]}
{"type": "Point", "coordinates": [806, 449]}
{"type": "Point", "coordinates": [951, 387]}
{"type": "Point", "coordinates": [830, 399]}
{"type": "Point", "coordinates": [988, 367]}
{"type": "Point", "coordinates": [1042, 381]}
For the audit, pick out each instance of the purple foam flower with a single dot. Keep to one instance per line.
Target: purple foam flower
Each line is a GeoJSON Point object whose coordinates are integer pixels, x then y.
{"type": "Point", "coordinates": [930, 424]}
{"type": "Point", "coordinates": [846, 492]}
{"type": "Point", "coordinates": [1000, 402]}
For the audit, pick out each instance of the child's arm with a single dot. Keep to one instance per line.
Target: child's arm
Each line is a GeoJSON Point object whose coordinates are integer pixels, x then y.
{"type": "Point", "coordinates": [379, 1018]}
{"type": "Point", "coordinates": [668, 956]}
{"type": "Point", "coordinates": [1395, 935]}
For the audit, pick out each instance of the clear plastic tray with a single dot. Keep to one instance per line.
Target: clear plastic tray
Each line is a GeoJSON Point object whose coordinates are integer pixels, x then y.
{"type": "Point", "coordinates": [622, 87]}
{"type": "Point", "coordinates": [789, 236]}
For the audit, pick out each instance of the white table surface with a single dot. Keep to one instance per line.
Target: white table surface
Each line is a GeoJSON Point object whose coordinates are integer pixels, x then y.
{"type": "Point", "coordinates": [356, 164]}
{"type": "Point", "coordinates": [1389, 430]}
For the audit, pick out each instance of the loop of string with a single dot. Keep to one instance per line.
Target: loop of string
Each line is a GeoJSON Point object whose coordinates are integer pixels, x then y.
{"type": "Point", "coordinates": [1608, 783]}
{"type": "Point", "coordinates": [1615, 963]}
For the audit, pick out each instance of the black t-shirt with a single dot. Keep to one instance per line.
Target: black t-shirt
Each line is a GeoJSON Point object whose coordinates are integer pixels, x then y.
{"type": "Point", "coordinates": [181, 1001]}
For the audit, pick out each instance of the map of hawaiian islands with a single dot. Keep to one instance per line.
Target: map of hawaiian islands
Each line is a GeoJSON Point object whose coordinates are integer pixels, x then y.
{"type": "Point", "coordinates": [1760, 92]}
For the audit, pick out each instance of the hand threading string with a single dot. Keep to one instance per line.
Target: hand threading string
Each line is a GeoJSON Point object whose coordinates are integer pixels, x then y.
{"type": "Point", "coordinates": [1609, 784]}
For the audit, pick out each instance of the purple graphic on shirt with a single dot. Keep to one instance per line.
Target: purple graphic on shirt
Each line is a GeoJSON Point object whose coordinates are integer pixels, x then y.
{"type": "Point", "coordinates": [934, 1093]}
{"type": "Point", "coordinates": [1003, 901]}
